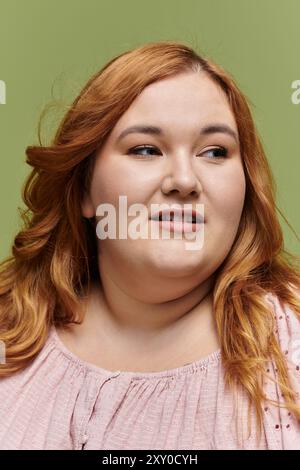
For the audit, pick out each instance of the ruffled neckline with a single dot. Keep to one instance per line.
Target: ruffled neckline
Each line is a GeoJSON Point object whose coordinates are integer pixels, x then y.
{"type": "Point", "coordinates": [195, 366]}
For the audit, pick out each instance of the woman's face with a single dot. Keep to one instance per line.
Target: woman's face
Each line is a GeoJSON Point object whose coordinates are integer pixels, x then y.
{"type": "Point", "coordinates": [182, 164]}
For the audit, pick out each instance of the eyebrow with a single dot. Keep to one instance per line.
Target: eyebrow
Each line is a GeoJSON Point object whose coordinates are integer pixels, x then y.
{"type": "Point", "coordinates": [153, 130]}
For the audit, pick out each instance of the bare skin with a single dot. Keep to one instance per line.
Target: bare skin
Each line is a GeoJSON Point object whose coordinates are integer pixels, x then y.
{"type": "Point", "coordinates": [101, 342]}
{"type": "Point", "coordinates": [153, 310]}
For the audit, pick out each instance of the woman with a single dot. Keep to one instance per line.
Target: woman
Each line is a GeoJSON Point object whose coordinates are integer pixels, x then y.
{"type": "Point", "coordinates": [140, 343]}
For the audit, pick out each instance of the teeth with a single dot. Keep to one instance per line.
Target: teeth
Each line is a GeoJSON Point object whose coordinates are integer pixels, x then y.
{"type": "Point", "coordinates": [170, 217]}
{"type": "Point", "coordinates": [177, 217]}
{"type": "Point", "coordinates": [167, 217]}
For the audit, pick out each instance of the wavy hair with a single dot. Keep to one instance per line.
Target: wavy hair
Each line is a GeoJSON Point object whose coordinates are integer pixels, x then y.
{"type": "Point", "coordinates": [53, 261]}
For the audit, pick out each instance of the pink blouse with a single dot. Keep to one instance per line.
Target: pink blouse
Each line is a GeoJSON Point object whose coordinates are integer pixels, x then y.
{"type": "Point", "coordinates": [62, 402]}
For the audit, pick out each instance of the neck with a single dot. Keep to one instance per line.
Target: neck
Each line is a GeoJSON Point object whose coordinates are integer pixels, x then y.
{"type": "Point", "coordinates": [131, 312]}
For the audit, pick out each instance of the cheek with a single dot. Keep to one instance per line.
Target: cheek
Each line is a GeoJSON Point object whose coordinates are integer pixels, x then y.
{"type": "Point", "coordinates": [226, 194]}
{"type": "Point", "coordinates": [112, 179]}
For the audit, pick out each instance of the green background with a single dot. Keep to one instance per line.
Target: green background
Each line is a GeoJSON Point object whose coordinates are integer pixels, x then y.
{"type": "Point", "coordinates": [49, 49]}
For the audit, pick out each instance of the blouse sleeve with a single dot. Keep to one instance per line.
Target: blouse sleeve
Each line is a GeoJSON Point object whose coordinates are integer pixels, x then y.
{"type": "Point", "coordinates": [284, 424]}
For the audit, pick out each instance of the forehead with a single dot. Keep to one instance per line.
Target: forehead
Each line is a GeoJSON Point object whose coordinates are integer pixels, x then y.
{"type": "Point", "coordinates": [188, 99]}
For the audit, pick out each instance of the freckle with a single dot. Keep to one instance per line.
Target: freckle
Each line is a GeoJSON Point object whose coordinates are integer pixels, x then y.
{"type": "Point", "coordinates": [297, 367]}
{"type": "Point", "coordinates": [276, 331]}
{"type": "Point", "coordinates": [268, 370]}
{"type": "Point", "coordinates": [280, 317]}
{"type": "Point", "coordinates": [277, 426]}
{"type": "Point", "coordinates": [286, 352]}
{"type": "Point", "coordinates": [266, 408]}
{"type": "Point", "coordinates": [289, 414]}
{"type": "Point", "coordinates": [287, 426]}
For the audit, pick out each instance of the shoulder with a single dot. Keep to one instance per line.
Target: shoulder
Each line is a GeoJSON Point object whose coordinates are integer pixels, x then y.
{"type": "Point", "coordinates": [287, 326]}
{"type": "Point", "coordinates": [49, 358]}
{"type": "Point", "coordinates": [282, 425]}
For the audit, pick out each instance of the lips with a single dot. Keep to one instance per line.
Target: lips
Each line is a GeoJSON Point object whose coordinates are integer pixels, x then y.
{"type": "Point", "coordinates": [178, 215]}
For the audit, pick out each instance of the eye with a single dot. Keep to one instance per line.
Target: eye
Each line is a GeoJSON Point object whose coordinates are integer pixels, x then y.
{"type": "Point", "coordinates": [222, 152]}
{"type": "Point", "coordinates": [142, 148]}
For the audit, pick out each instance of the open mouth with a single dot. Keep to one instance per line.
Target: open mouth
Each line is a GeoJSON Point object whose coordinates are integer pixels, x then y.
{"type": "Point", "coordinates": [178, 222]}
{"type": "Point", "coordinates": [176, 217]}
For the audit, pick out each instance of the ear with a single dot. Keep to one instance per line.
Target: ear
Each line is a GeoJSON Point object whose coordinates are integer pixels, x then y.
{"type": "Point", "coordinates": [87, 208]}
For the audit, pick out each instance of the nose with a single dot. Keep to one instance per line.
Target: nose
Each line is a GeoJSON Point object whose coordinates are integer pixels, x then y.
{"type": "Point", "coordinates": [181, 177]}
